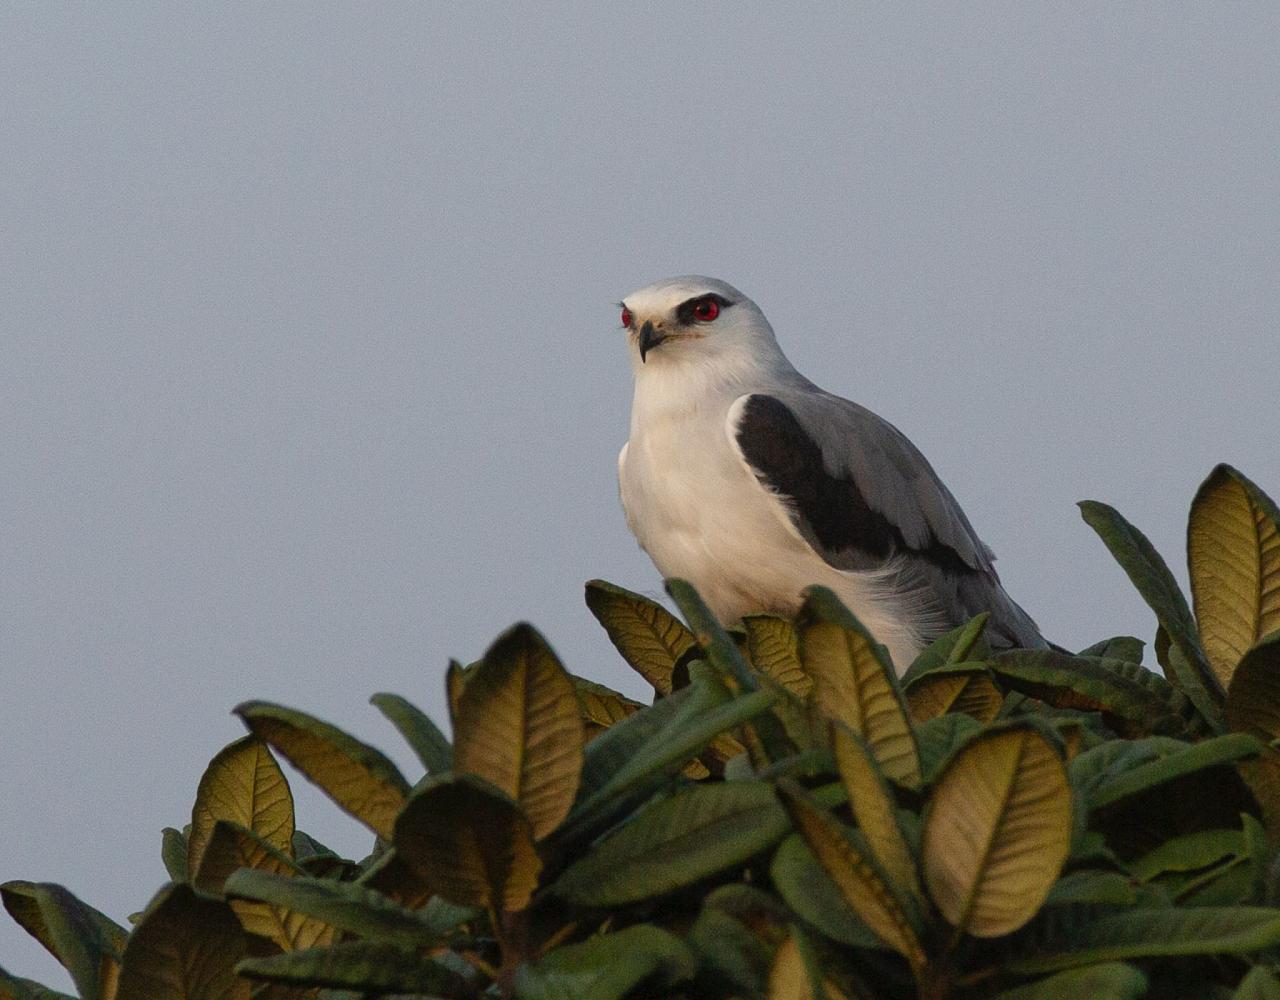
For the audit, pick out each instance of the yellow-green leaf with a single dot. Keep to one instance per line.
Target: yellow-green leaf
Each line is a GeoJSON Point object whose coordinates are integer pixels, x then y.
{"type": "Point", "coordinates": [794, 975]}
{"type": "Point", "coordinates": [997, 830]}
{"type": "Point", "coordinates": [356, 776]}
{"type": "Point", "coordinates": [1233, 552]}
{"type": "Point", "coordinates": [874, 809]}
{"type": "Point", "coordinates": [773, 646]}
{"type": "Point", "coordinates": [862, 884]}
{"type": "Point", "coordinates": [965, 688]}
{"type": "Point", "coordinates": [647, 635]}
{"type": "Point", "coordinates": [602, 706]}
{"type": "Point", "coordinates": [184, 948]}
{"type": "Point", "coordinates": [232, 847]}
{"type": "Point", "coordinates": [242, 784]}
{"type": "Point", "coordinates": [519, 727]}
{"type": "Point", "coordinates": [470, 843]}
{"type": "Point", "coordinates": [854, 684]}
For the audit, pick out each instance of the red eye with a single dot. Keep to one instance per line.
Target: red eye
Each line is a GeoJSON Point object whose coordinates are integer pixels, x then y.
{"type": "Point", "coordinates": [705, 310]}
{"type": "Point", "coordinates": [626, 317]}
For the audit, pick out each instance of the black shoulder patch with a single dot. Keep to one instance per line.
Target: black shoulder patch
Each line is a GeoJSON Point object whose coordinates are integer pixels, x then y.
{"type": "Point", "coordinates": [834, 510]}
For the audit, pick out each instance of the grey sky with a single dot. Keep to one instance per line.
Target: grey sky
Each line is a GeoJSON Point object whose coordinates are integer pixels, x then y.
{"type": "Point", "coordinates": [310, 372]}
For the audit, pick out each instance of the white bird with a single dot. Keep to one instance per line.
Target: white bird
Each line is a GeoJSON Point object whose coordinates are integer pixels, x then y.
{"type": "Point", "coordinates": [747, 480]}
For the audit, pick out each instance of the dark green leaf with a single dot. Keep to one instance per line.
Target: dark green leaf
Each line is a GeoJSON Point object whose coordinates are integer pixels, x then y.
{"type": "Point", "coordinates": [1093, 888]}
{"type": "Point", "coordinates": [1260, 983]}
{"type": "Point", "coordinates": [367, 966]}
{"type": "Point", "coordinates": [1105, 981]}
{"type": "Point", "coordinates": [965, 642]}
{"type": "Point", "coordinates": [1156, 584]}
{"type": "Point", "coordinates": [1194, 757]}
{"type": "Point", "coordinates": [13, 988]}
{"type": "Point", "coordinates": [1149, 933]}
{"type": "Point", "coordinates": [1120, 647]}
{"type": "Point", "coordinates": [422, 735]}
{"type": "Point", "coordinates": [350, 907]}
{"type": "Point", "coordinates": [173, 853]}
{"type": "Point", "coordinates": [693, 834]}
{"type": "Point", "coordinates": [688, 731]}
{"type": "Point", "coordinates": [1131, 699]}
{"type": "Point", "coordinates": [76, 934]}
{"type": "Point", "coordinates": [806, 887]}
{"type": "Point", "coordinates": [939, 738]}
{"type": "Point", "coordinates": [608, 966]}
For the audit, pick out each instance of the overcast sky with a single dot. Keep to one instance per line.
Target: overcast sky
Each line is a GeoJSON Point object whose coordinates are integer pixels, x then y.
{"type": "Point", "coordinates": [311, 374]}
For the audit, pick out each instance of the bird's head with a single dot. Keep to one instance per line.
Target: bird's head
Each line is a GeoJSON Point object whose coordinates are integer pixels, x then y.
{"type": "Point", "coordinates": [694, 320]}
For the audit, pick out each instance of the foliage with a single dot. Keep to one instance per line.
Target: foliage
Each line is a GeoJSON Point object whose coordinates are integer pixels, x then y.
{"type": "Point", "coordinates": [788, 819]}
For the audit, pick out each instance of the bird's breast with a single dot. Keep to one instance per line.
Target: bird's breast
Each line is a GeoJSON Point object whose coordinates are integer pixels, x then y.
{"type": "Point", "coordinates": [700, 514]}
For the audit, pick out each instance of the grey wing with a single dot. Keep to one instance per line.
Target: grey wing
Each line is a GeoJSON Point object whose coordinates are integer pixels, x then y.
{"type": "Point", "coordinates": [861, 494]}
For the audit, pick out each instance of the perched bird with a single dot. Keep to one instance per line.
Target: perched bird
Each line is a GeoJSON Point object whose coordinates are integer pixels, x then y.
{"type": "Point", "coordinates": [744, 478]}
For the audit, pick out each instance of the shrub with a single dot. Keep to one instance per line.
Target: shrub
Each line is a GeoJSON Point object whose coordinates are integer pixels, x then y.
{"type": "Point", "coordinates": [788, 819]}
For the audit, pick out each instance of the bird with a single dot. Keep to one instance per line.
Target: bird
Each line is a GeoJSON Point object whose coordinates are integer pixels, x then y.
{"type": "Point", "coordinates": [744, 478]}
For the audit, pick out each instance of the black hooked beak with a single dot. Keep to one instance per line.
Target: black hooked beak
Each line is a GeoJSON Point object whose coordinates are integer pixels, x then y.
{"type": "Point", "coordinates": [649, 339]}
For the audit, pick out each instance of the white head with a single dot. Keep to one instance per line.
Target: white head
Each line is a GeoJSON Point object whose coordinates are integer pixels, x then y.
{"type": "Point", "coordinates": [692, 322]}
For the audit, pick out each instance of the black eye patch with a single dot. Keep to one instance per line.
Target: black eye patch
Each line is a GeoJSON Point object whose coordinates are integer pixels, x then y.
{"type": "Point", "coordinates": [685, 315]}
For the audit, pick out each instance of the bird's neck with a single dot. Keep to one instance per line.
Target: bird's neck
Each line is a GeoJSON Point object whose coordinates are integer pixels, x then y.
{"type": "Point", "coordinates": [666, 389]}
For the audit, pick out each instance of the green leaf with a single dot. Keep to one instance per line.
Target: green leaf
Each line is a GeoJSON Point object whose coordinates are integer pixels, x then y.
{"type": "Point", "coordinates": [1151, 576]}
{"type": "Point", "coordinates": [711, 636]}
{"type": "Point", "coordinates": [1120, 647]}
{"type": "Point", "coordinates": [244, 785]}
{"type": "Point", "coordinates": [651, 639]}
{"type": "Point", "coordinates": [997, 830]}
{"type": "Point", "coordinates": [1233, 554]}
{"type": "Point", "coordinates": [735, 935]}
{"type": "Point", "coordinates": [941, 737]}
{"type": "Point", "coordinates": [1105, 981]}
{"type": "Point", "coordinates": [1093, 888]}
{"type": "Point", "coordinates": [356, 776]}
{"type": "Point", "coordinates": [469, 843]}
{"type": "Point", "coordinates": [1132, 700]}
{"type": "Point", "coordinates": [364, 966]}
{"type": "Point", "coordinates": [677, 841]}
{"type": "Point", "coordinates": [805, 886]}
{"type": "Point", "coordinates": [173, 853]}
{"type": "Point", "coordinates": [349, 907]}
{"type": "Point", "coordinates": [1253, 700]}
{"type": "Point", "coordinates": [73, 932]}
{"type": "Point", "coordinates": [865, 888]}
{"type": "Point", "coordinates": [1151, 933]}
{"type": "Point", "coordinates": [965, 642]}
{"type": "Point", "coordinates": [688, 731]}
{"type": "Point", "coordinates": [608, 966]}
{"type": "Point", "coordinates": [519, 727]}
{"type": "Point", "coordinates": [13, 988]}
{"type": "Point", "coordinates": [1260, 983]}
{"type": "Point", "coordinates": [184, 948]}
{"type": "Point", "coordinates": [1102, 764]}
{"type": "Point", "coordinates": [618, 745]}
{"type": "Point", "coordinates": [1194, 757]}
{"type": "Point", "coordinates": [423, 736]}
{"type": "Point", "coordinates": [1189, 852]}
{"type": "Point", "coordinates": [854, 683]}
